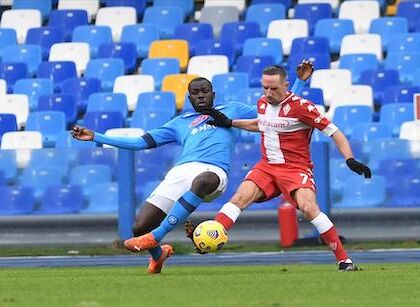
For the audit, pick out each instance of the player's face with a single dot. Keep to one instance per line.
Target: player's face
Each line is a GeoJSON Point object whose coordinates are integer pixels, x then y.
{"type": "Point", "coordinates": [201, 95]}
{"type": "Point", "coordinates": [275, 88]}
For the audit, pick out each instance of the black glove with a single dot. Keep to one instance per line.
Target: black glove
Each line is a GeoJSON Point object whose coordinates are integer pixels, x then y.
{"type": "Point", "coordinates": [358, 167]}
{"type": "Point", "coordinates": [219, 119]}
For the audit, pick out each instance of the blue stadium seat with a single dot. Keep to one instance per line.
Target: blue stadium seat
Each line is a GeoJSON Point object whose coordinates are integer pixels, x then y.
{"type": "Point", "coordinates": [386, 27]}
{"type": "Point", "coordinates": [49, 123]}
{"type": "Point", "coordinates": [161, 157]}
{"type": "Point", "coordinates": [345, 117]}
{"type": "Point", "coordinates": [390, 148]}
{"type": "Point", "coordinates": [215, 47]}
{"type": "Point", "coordinates": [247, 155]}
{"type": "Point", "coordinates": [394, 169]}
{"type": "Point", "coordinates": [248, 136]}
{"type": "Point", "coordinates": [309, 45]}
{"type": "Point", "coordinates": [319, 61]}
{"type": "Point", "coordinates": [159, 68]}
{"type": "Point", "coordinates": [139, 5]}
{"type": "Point", "coordinates": [67, 20]}
{"type": "Point", "coordinates": [265, 13]}
{"type": "Point", "coordinates": [99, 156]}
{"type": "Point", "coordinates": [406, 42]}
{"type": "Point", "coordinates": [11, 72]}
{"type": "Point", "coordinates": [106, 70]}
{"type": "Point", "coordinates": [144, 189]}
{"type": "Point", "coordinates": [313, 94]}
{"type": "Point", "coordinates": [334, 29]}
{"type": "Point", "coordinates": [47, 157]}
{"type": "Point", "coordinates": [416, 81]}
{"type": "Point", "coordinates": [253, 65]}
{"type": "Point", "coordinates": [45, 37]}
{"type": "Point", "coordinates": [81, 89]}
{"type": "Point", "coordinates": [187, 6]}
{"type": "Point", "coordinates": [8, 164]}
{"type": "Point", "coordinates": [165, 17]}
{"type": "Point", "coordinates": [318, 136]}
{"type": "Point", "coordinates": [398, 94]}
{"type": "Point", "coordinates": [379, 79]}
{"type": "Point", "coordinates": [39, 178]}
{"type": "Point", "coordinates": [7, 38]}
{"type": "Point", "coordinates": [264, 46]}
{"type": "Point", "coordinates": [102, 121]}
{"type": "Point", "coordinates": [249, 95]}
{"type": "Point", "coordinates": [339, 173]}
{"type": "Point", "coordinates": [93, 35]}
{"type": "Point", "coordinates": [312, 12]}
{"type": "Point", "coordinates": [142, 35]}
{"type": "Point", "coordinates": [60, 199]}
{"type": "Point", "coordinates": [65, 140]}
{"type": "Point", "coordinates": [43, 6]}
{"type": "Point", "coordinates": [370, 131]}
{"type": "Point", "coordinates": [403, 62]}
{"type": "Point", "coordinates": [103, 198]}
{"type": "Point", "coordinates": [148, 119]}
{"type": "Point", "coordinates": [287, 3]}
{"type": "Point", "coordinates": [107, 102]}
{"type": "Point", "coordinates": [7, 123]}
{"type": "Point", "coordinates": [57, 72]}
{"type": "Point", "coordinates": [2, 179]}
{"type": "Point", "coordinates": [16, 200]}
{"type": "Point", "coordinates": [357, 63]}
{"type": "Point", "coordinates": [193, 33]}
{"type": "Point", "coordinates": [125, 51]}
{"type": "Point", "coordinates": [33, 88]}
{"type": "Point", "coordinates": [406, 192]}
{"type": "Point", "coordinates": [394, 114]}
{"type": "Point", "coordinates": [239, 32]}
{"type": "Point", "coordinates": [90, 174]}
{"type": "Point", "coordinates": [157, 101]}
{"type": "Point", "coordinates": [65, 103]}
{"type": "Point", "coordinates": [229, 84]}
{"type": "Point", "coordinates": [411, 11]}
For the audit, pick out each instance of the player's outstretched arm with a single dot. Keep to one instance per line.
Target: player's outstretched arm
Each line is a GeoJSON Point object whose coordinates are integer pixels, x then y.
{"type": "Point", "coordinates": [221, 120]}
{"type": "Point", "coordinates": [304, 71]}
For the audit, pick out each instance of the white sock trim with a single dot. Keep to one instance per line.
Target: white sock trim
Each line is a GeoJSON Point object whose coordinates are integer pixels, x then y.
{"type": "Point", "coordinates": [322, 223]}
{"type": "Point", "coordinates": [231, 211]}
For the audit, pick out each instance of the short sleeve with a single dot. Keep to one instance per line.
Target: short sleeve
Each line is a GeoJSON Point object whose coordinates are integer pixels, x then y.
{"type": "Point", "coordinates": [309, 114]}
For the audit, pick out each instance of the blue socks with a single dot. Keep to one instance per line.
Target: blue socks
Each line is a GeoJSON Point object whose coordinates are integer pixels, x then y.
{"type": "Point", "coordinates": [179, 212]}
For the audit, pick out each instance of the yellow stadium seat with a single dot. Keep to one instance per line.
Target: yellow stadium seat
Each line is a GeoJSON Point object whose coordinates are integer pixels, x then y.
{"type": "Point", "coordinates": [178, 84]}
{"type": "Point", "coordinates": [171, 48]}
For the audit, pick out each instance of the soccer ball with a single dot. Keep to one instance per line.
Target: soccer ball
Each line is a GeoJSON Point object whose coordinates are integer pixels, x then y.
{"type": "Point", "coordinates": [210, 236]}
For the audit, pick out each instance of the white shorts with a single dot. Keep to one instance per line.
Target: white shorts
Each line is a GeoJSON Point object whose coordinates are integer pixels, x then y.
{"type": "Point", "coordinates": [179, 180]}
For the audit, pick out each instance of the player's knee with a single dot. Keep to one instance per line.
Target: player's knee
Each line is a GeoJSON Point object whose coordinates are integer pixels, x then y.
{"type": "Point", "coordinates": [309, 209]}
{"type": "Point", "coordinates": [205, 183]}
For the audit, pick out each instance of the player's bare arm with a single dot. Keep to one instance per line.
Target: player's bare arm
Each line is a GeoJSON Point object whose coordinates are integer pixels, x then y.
{"type": "Point", "coordinates": [82, 133]}
{"type": "Point", "coordinates": [246, 124]}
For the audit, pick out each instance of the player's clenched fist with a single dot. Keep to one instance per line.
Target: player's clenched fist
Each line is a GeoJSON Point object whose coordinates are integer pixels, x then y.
{"type": "Point", "coordinates": [304, 70]}
{"type": "Point", "coordinates": [358, 167]}
{"type": "Point", "coordinates": [81, 133]}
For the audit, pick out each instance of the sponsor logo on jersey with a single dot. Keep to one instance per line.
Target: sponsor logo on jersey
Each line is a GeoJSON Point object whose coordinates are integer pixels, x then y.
{"type": "Point", "coordinates": [276, 124]}
{"type": "Point", "coordinates": [202, 128]}
{"type": "Point", "coordinates": [198, 120]}
{"type": "Point", "coordinates": [263, 106]}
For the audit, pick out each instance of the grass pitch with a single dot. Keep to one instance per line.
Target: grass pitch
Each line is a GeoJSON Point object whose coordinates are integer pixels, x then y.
{"type": "Point", "coordinates": [289, 285]}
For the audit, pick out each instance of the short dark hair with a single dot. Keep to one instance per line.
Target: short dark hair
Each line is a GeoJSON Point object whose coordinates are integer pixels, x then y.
{"type": "Point", "coordinates": [199, 79]}
{"type": "Point", "coordinates": [275, 70]}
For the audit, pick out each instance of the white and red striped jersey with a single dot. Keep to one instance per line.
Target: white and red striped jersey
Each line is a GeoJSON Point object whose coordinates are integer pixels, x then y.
{"type": "Point", "coordinates": [286, 129]}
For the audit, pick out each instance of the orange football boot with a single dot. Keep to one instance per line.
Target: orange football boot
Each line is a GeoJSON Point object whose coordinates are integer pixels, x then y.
{"type": "Point", "coordinates": [141, 243]}
{"type": "Point", "coordinates": [155, 266]}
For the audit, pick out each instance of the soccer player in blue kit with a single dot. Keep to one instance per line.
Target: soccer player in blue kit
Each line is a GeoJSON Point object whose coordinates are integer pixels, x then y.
{"type": "Point", "coordinates": [199, 175]}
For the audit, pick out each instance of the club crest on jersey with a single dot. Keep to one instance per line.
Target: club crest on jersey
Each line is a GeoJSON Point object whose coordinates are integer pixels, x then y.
{"type": "Point", "coordinates": [263, 106]}
{"type": "Point", "coordinates": [198, 121]}
{"type": "Point", "coordinates": [286, 109]}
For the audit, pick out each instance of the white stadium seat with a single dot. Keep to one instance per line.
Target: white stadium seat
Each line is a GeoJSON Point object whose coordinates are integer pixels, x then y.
{"type": "Point", "coordinates": [287, 30]}
{"type": "Point", "coordinates": [331, 81]}
{"type": "Point", "coordinates": [21, 21]}
{"type": "Point", "coordinates": [239, 4]}
{"type": "Point", "coordinates": [219, 15]}
{"type": "Point", "coordinates": [361, 12]}
{"type": "Point", "coordinates": [132, 86]}
{"type": "Point", "coordinates": [79, 53]}
{"type": "Point", "coordinates": [17, 104]}
{"type": "Point", "coordinates": [362, 43]}
{"type": "Point", "coordinates": [22, 142]}
{"type": "Point", "coordinates": [91, 6]}
{"type": "Point", "coordinates": [3, 87]}
{"type": "Point", "coordinates": [355, 95]}
{"type": "Point", "coordinates": [208, 65]}
{"type": "Point", "coordinates": [411, 131]}
{"type": "Point", "coordinates": [116, 17]}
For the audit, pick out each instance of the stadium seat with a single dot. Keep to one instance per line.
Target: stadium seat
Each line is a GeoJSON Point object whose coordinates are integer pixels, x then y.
{"type": "Point", "coordinates": [31, 55]}
{"type": "Point", "coordinates": [106, 70]}
{"type": "Point", "coordinates": [263, 14]}
{"type": "Point", "coordinates": [7, 123]}
{"type": "Point", "coordinates": [229, 84]}
{"type": "Point", "coordinates": [157, 101]}
{"type": "Point", "coordinates": [8, 165]}
{"type": "Point", "coordinates": [362, 43]}
{"type": "Point", "coordinates": [159, 68]}
{"type": "Point", "coordinates": [312, 12]}
{"type": "Point", "coordinates": [81, 89]}
{"type": "Point", "coordinates": [287, 3]}
{"type": "Point", "coordinates": [99, 156]}
{"type": "Point", "coordinates": [33, 88]}
{"type": "Point", "coordinates": [187, 6]}
{"type": "Point", "coordinates": [368, 132]}
{"type": "Point", "coordinates": [398, 94]}
{"type": "Point", "coordinates": [354, 95]}
{"type": "Point", "coordinates": [57, 72]}
{"type": "Point", "coordinates": [287, 30]}
{"type": "Point", "coordinates": [142, 35]}
{"type": "Point", "coordinates": [43, 6]}
{"type": "Point", "coordinates": [416, 79]}
{"type": "Point", "coordinates": [18, 105]}
{"type": "Point", "coordinates": [45, 37]}
{"type": "Point", "coordinates": [144, 187]}
{"type": "Point", "coordinates": [125, 51]}
{"type": "Point", "coordinates": [239, 4]}
{"type": "Point", "coordinates": [102, 121]}
{"type": "Point", "coordinates": [345, 117]}
{"type": "Point", "coordinates": [339, 174]}
{"type": "Point", "coordinates": [319, 61]}
{"type": "Point", "coordinates": [21, 21]}
{"type": "Point", "coordinates": [386, 27]}
{"type": "Point", "coordinates": [93, 35]}
{"type": "Point", "coordinates": [404, 42]}
{"type": "Point", "coordinates": [313, 94]}
{"type": "Point", "coordinates": [65, 140]}
{"type": "Point", "coordinates": [3, 87]}
{"type": "Point", "coordinates": [403, 62]}
{"type": "Point", "coordinates": [215, 47]}
{"type": "Point", "coordinates": [11, 72]}
{"type": "Point", "coordinates": [138, 5]}
{"type": "Point", "coordinates": [61, 199]}
{"type": "Point", "coordinates": [357, 63]}
{"type": "Point", "coordinates": [16, 200]}
{"type": "Point", "coordinates": [171, 49]}
{"type": "Point", "coordinates": [178, 84]}
{"type": "Point", "coordinates": [264, 46]}
{"type": "Point", "coordinates": [394, 169]}
{"type": "Point", "coordinates": [247, 155]}
{"type": "Point", "coordinates": [411, 11]}
{"type": "Point", "coordinates": [253, 65]}
{"type": "Point", "coordinates": [334, 3]}
{"type": "Point", "coordinates": [208, 65]}
{"type": "Point", "coordinates": [334, 29]}
{"type": "Point", "coordinates": [51, 157]}
{"type": "Point", "coordinates": [379, 79]}
{"type": "Point", "coordinates": [322, 79]}
{"type": "Point", "coordinates": [193, 33]}
{"type": "Point", "coordinates": [78, 53]}
{"type": "Point", "coordinates": [39, 178]}
{"type": "Point", "coordinates": [65, 103]}
{"type": "Point", "coordinates": [360, 12]}
{"type": "Point", "coordinates": [309, 45]}
{"type": "Point", "coordinates": [103, 198]}
{"type": "Point", "coordinates": [132, 86]}
{"type": "Point", "coordinates": [394, 114]}
{"type": "Point", "coordinates": [165, 17]}
{"type": "Point", "coordinates": [410, 130]}
{"type": "Point", "coordinates": [7, 38]}
{"type": "Point", "coordinates": [249, 96]}
{"type": "Point", "coordinates": [91, 6]}
{"type": "Point", "coordinates": [217, 16]}
{"type": "Point", "coordinates": [67, 21]}
{"type": "Point", "coordinates": [107, 102]}
{"type": "Point", "coordinates": [406, 192]}
{"type": "Point", "coordinates": [387, 148]}
{"type": "Point", "coordinates": [239, 32]}
{"type": "Point", "coordinates": [116, 18]}
{"type": "Point", "coordinates": [150, 119]}
{"type": "Point", "coordinates": [90, 174]}
{"type": "Point", "coordinates": [49, 123]}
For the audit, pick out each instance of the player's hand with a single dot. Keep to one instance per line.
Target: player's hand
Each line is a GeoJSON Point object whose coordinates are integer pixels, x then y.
{"type": "Point", "coordinates": [305, 70]}
{"type": "Point", "coordinates": [189, 228]}
{"type": "Point", "coordinates": [219, 119]}
{"type": "Point", "coordinates": [358, 167]}
{"type": "Point", "coordinates": [81, 133]}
